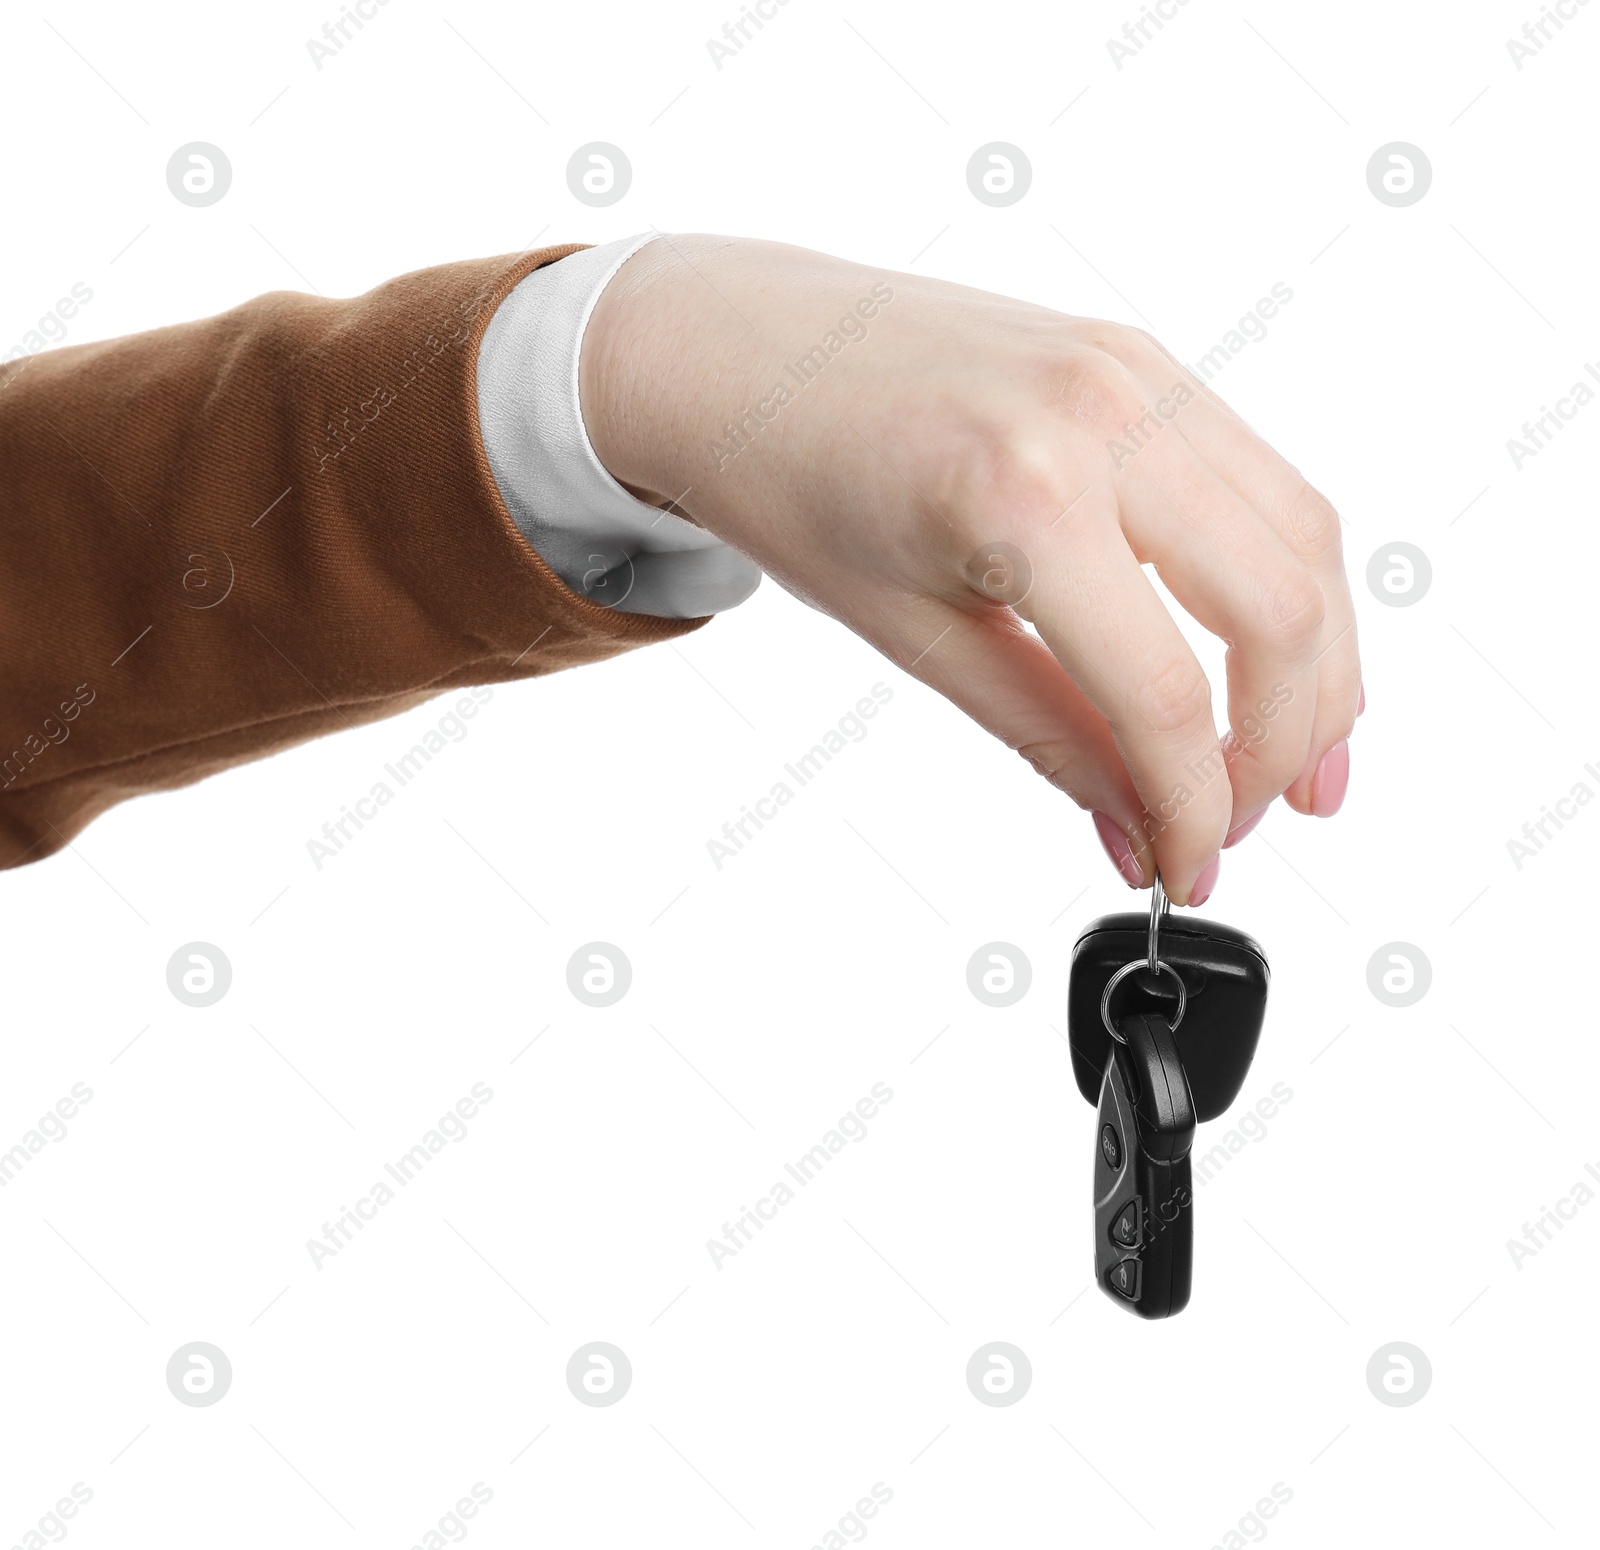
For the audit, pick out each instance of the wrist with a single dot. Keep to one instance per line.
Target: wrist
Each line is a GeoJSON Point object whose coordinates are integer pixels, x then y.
{"type": "Point", "coordinates": [634, 331]}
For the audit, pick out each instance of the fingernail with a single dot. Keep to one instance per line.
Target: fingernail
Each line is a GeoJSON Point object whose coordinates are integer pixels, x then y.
{"type": "Point", "coordinates": [1206, 881]}
{"type": "Point", "coordinates": [1361, 704]}
{"type": "Point", "coordinates": [1329, 783]}
{"type": "Point", "coordinates": [1235, 835]}
{"type": "Point", "coordinates": [1120, 849]}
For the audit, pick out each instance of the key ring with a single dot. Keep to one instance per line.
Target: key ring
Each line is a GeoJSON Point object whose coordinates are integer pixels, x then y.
{"type": "Point", "coordinates": [1159, 906]}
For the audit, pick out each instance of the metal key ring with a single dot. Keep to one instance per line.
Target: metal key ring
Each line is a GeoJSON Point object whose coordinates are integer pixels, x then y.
{"type": "Point", "coordinates": [1159, 906]}
{"type": "Point", "coordinates": [1121, 974]}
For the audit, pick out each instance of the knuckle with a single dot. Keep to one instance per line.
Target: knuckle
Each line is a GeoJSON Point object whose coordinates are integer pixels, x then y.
{"type": "Point", "coordinates": [1012, 477]}
{"type": "Point", "coordinates": [1312, 524]}
{"type": "Point", "coordinates": [1140, 344]}
{"type": "Point", "coordinates": [1099, 393]}
{"type": "Point", "coordinates": [1292, 612]}
{"type": "Point", "coordinates": [1342, 692]}
{"type": "Point", "coordinates": [1274, 753]}
{"type": "Point", "coordinates": [1057, 762]}
{"type": "Point", "coordinates": [1174, 697]}
{"type": "Point", "coordinates": [1192, 814]}
{"type": "Point", "coordinates": [1339, 671]}
{"type": "Point", "coordinates": [1118, 340]}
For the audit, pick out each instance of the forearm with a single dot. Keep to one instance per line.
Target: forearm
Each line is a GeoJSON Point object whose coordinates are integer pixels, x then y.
{"type": "Point", "coordinates": [223, 538]}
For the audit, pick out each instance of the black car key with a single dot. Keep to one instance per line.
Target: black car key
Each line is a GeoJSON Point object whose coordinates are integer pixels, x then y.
{"type": "Point", "coordinates": [1163, 1020]}
{"type": "Point", "coordinates": [1143, 1203]}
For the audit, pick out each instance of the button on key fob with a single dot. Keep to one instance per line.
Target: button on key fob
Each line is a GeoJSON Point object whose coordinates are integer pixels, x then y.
{"type": "Point", "coordinates": [1143, 1203]}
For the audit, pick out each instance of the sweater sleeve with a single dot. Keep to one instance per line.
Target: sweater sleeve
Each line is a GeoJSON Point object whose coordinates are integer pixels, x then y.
{"type": "Point", "coordinates": [226, 537]}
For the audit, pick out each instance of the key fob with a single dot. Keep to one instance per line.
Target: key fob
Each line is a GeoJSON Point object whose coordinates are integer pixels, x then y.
{"type": "Point", "coordinates": [1143, 1202]}
{"type": "Point", "coordinates": [1224, 973]}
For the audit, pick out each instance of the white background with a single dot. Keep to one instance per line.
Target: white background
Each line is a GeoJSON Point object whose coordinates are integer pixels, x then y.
{"type": "Point", "coordinates": [369, 1395]}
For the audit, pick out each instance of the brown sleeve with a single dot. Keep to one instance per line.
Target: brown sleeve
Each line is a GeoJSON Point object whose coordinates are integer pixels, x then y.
{"type": "Point", "coordinates": [226, 537]}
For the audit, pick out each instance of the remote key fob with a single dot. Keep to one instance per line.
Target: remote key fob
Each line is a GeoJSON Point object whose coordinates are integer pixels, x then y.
{"type": "Point", "coordinates": [1224, 975]}
{"type": "Point", "coordinates": [1143, 1203]}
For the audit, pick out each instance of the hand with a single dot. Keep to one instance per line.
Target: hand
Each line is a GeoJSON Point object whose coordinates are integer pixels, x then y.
{"type": "Point", "coordinates": [937, 467]}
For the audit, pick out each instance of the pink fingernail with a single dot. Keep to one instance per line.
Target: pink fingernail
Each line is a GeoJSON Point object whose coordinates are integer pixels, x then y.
{"type": "Point", "coordinates": [1361, 704]}
{"type": "Point", "coordinates": [1235, 835]}
{"type": "Point", "coordinates": [1329, 783]}
{"type": "Point", "coordinates": [1120, 849]}
{"type": "Point", "coordinates": [1206, 881]}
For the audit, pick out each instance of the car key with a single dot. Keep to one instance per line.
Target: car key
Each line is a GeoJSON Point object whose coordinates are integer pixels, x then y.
{"type": "Point", "coordinates": [1143, 1202]}
{"type": "Point", "coordinates": [1163, 1020]}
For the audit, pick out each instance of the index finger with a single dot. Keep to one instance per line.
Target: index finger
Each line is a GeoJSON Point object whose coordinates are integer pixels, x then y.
{"type": "Point", "coordinates": [1103, 621]}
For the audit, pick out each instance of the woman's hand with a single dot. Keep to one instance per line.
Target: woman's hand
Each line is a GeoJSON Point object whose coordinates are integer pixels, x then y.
{"type": "Point", "coordinates": [934, 465]}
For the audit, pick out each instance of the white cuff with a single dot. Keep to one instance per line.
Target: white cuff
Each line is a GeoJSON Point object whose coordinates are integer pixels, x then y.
{"type": "Point", "coordinates": [599, 539]}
